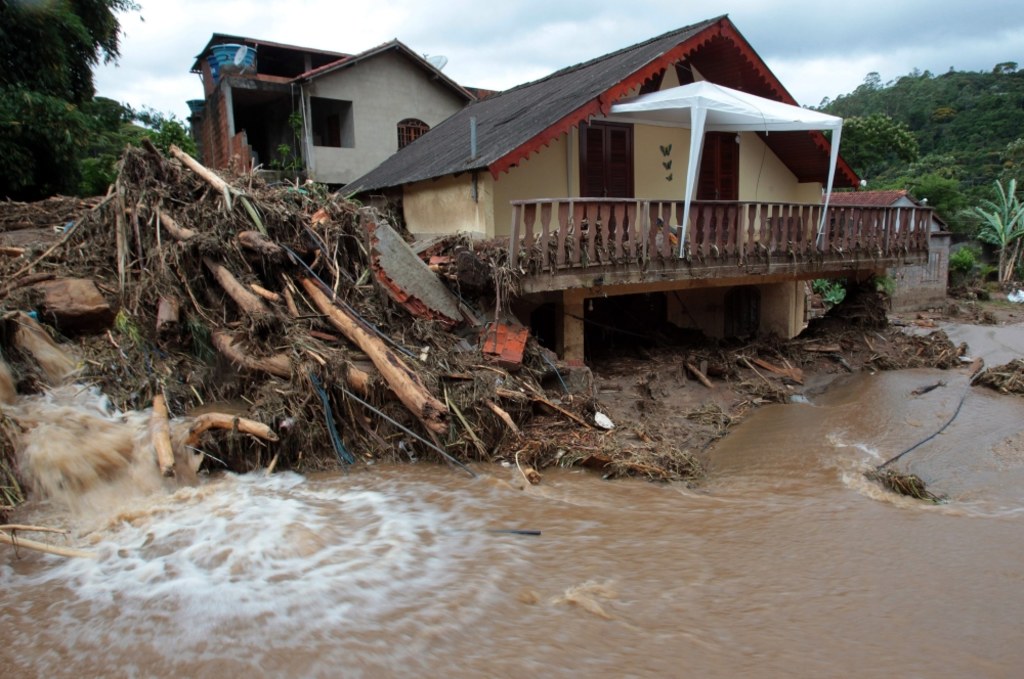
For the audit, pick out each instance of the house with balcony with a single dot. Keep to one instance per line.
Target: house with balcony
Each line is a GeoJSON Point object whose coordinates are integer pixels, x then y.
{"type": "Point", "coordinates": [330, 115]}
{"type": "Point", "coordinates": [708, 212]}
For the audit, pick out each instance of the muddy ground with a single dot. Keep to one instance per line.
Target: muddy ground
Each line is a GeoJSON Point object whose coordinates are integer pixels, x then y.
{"type": "Point", "coordinates": [653, 398]}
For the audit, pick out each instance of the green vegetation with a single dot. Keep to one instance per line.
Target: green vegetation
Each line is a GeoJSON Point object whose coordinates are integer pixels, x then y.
{"type": "Point", "coordinates": [832, 291]}
{"type": "Point", "coordinates": [1002, 225]}
{"type": "Point", "coordinates": [47, 53]}
{"type": "Point", "coordinates": [945, 138]}
{"type": "Point", "coordinates": [55, 135]}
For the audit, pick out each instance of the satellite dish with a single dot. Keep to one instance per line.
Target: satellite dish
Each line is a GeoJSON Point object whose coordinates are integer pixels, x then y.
{"type": "Point", "coordinates": [437, 61]}
{"type": "Point", "coordinates": [240, 56]}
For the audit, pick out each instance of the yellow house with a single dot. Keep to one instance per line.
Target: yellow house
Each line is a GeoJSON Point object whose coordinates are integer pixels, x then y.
{"type": "Point", "coordinates": [597, 210]}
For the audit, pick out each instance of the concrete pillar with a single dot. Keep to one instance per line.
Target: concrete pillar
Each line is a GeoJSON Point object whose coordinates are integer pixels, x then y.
{"type": "Point", "coordinates": [570, 326]}
{"type": "Point", "coordinates": [782, 308]}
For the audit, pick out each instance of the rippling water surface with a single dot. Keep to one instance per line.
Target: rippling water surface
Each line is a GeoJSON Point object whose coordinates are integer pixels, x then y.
{"type": "Point", "coordinates": [785, 563]}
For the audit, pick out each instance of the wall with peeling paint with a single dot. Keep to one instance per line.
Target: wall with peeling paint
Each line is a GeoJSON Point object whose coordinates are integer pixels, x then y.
{"type": "Point", "coordinates": [446, 205]}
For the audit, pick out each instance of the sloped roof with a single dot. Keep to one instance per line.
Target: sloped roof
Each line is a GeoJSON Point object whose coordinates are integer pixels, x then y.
{"type": "Point", "coordinates": [870, 198]}
{"type": "Point", "coordinates": [518, 122]}
{"type": "Point", "coordinates": [396, 46]}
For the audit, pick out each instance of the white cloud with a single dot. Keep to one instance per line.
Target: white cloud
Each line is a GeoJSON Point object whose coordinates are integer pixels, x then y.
{"type": "Point", "coordinates": [816, 50]}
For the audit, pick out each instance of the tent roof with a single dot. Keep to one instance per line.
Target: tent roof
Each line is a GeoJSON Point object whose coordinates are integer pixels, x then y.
{"type": "Point", "coordinates": [728, 110]}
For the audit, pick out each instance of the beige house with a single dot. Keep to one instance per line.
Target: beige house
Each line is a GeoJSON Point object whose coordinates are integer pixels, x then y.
{"type": "Point", "coordinates": [334, 115]}
{"type": "Point", "coordinates": [593, 207]}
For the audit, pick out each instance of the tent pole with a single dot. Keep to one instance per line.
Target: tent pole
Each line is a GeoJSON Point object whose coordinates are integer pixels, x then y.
{"type": "Point", "coordinates": [698, 115]}
{"type": "Point", "coordinates": [837, 134]}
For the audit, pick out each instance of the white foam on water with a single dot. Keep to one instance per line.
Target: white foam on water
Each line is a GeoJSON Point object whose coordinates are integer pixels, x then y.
{"type": "Point", "coordinates": [248, 556]}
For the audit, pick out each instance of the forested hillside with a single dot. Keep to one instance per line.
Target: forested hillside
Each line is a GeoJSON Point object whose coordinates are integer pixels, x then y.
{"type": "Point", "coordinates": [946, 138]}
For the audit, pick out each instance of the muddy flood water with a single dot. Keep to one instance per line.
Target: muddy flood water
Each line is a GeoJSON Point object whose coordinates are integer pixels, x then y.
{"type": "Point", "coordinates": [785, 562]}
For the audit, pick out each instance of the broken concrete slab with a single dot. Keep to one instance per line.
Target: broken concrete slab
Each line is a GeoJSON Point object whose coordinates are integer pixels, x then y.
{"type": "Point", "coordinates": [406, 278]}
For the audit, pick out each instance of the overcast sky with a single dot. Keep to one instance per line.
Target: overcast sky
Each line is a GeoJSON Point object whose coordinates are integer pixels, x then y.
{"type": "Point", "coordinates": [817, 49]}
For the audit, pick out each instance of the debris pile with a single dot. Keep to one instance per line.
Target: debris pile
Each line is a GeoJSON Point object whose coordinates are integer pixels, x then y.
{"type": "Point", "coordinates": [281, 311]}
{"type": "Point", "coordinates": [1007, 378]}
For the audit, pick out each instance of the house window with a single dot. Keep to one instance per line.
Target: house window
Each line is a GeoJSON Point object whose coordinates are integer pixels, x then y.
{"type": "Point", "coordinates": [606, 160]}
{"type": "Point", "coordinates": [409, 130]}
{"type": "Point", "coordinates": [332, 122]}
{"type": "Point", "coordinates": [719, 177]}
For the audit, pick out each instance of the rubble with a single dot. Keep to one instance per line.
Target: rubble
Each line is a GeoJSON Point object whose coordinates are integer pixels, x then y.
{"type": "Point", "coordinates": [307, 328]}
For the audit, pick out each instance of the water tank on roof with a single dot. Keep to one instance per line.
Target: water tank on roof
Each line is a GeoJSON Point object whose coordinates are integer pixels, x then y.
{"type": "Point", "coordinates": [230, 58]}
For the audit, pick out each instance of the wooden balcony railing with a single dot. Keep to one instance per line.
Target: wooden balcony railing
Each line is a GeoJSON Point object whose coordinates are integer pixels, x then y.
{"type": "Point", "coordinates": [560, 234]}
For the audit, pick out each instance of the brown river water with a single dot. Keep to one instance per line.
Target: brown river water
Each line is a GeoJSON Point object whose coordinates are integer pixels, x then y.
{"type": "Point", "coordinates": [785, 563]}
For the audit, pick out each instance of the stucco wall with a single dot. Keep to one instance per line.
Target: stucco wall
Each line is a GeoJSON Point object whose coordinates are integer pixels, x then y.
{"type": "Point", "coordinates": [651, 177]}
{"type": "Point", "coordinates": [384, 90]}
{"type": "Point", "coordinates": [542, 175]}
{"type": "Point", "coordinates": [446, 205]}
{"type": "Point", "coordinates": [764, 177]}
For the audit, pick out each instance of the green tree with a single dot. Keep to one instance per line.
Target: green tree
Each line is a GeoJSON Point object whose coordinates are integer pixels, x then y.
{"type": "Point", "coordinates": [1002, 225]}
{"type": "Point", "coordinates": [872, 143]}
{"type": "Point", "coordinates": [47, 53]}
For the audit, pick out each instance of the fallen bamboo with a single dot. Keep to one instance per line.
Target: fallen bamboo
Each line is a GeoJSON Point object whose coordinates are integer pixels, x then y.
{"type": "Point", "coordinates": [206, 421]}
{"type": "Point", "coordinates": [701, 377]}
{"type": "Point", "coordinates": [177, 231]}
{"type": "Point", "coordinates": [44, 548]}
{"type": "Point", "coordinates": [403, 381]}
{"type": "Point", "coordinates": [160, 435]}
{"type": "Point", "coordinates": [249, 302]}
{"type": "Point", "coordinates": [278, 364]}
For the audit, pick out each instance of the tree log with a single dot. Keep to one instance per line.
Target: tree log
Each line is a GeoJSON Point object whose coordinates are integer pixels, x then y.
{"type": "Point", "coordinates": [279, 364]}
{"type": "Point", "coordinates": [248, 301]}
{"type": "Point", "coordinates": [257, 242]}
{"type": "Point", "coordinates": [207, 421]}
{"type": "Point", "coordinates": [160, 434]}
{"type": "Point", "coordinates": [403, 381]}
{"type": "Point", "coordinates": [268, 295]}
{"type": "Point", "coordinates": [177, 231]}
{"type": "Point", "coordinates": [207, 174]}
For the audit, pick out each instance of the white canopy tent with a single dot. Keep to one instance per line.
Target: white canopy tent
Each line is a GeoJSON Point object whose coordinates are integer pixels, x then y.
{"type": "Point", "coordinates": [705, 107]}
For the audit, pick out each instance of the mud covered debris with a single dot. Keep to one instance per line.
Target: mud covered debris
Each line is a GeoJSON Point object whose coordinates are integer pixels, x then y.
{"type": "Point", "coordinates": [276, 303]}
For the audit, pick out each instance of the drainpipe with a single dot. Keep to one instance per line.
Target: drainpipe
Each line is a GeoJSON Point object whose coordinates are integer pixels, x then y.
{"type": "Point", "coordinates": [568, 163]}
{"type": "Point", "coordinates": [472, 137]}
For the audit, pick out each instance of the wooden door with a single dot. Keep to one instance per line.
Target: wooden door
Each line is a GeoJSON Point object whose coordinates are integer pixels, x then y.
{"type": "Point", "coordinates": [606, 160]}
{"type": "Point", "coordinates": [719, 168]}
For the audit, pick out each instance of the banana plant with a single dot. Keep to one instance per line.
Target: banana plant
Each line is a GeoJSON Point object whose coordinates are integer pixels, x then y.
{"type": "Point", "coordinates": [1002, 226]}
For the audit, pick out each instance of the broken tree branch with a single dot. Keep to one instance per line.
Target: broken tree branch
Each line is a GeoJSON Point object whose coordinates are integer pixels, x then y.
{"type": "Point", "coordinates": [206, 421]}
{"type": "Point", "coordinates": [248, 301]}
{"type": "Point", "coordinates": [403, 381]}
{"type": "Point", "coordinates": [278, 364]}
